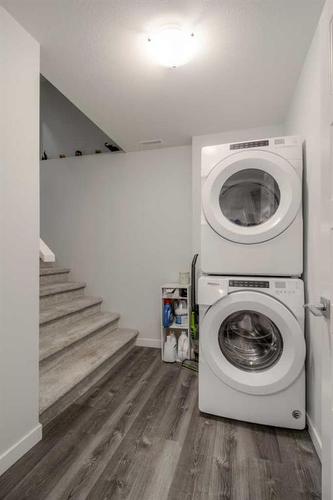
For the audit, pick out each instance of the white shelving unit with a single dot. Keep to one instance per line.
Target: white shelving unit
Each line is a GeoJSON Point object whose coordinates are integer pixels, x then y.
{"type": "Point", "coordinates": [180, 292]}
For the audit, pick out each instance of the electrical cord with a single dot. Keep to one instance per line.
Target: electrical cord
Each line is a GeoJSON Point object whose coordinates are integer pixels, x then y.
{"type": "Point", "coordinates": [190, 364]}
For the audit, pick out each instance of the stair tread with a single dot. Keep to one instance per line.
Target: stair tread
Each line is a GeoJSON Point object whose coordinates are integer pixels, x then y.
{"type": "Point", "coordinates": [63, 373]}
{"type": "Point", "coordinates": [60, 338]}
{"type": "Point", "coordinates": [44, 271]}
{"type": "Point", "coordinates": [55, 311]}
{"type": "Point", "coordinates": [54, 288]}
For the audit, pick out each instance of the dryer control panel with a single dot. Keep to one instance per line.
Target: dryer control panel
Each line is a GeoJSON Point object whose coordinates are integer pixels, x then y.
{"type": "Point", "coordinates": [252, 144]}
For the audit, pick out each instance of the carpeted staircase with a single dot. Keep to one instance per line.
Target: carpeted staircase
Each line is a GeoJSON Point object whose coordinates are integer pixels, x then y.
{"type": "Point", "coordinates": [78, 342]}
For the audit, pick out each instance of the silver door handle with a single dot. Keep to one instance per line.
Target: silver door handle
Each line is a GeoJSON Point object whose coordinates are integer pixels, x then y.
{"type": "Point", "coordinates": [322, 309]}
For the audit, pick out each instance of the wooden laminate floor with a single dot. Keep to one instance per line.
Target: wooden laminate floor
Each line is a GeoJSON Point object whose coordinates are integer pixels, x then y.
{"type": "Point", "coordinates": [139, 435]}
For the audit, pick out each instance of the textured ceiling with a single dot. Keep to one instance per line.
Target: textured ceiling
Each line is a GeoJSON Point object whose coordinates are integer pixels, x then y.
{"type": "Point", "coordinates": [94, 51]}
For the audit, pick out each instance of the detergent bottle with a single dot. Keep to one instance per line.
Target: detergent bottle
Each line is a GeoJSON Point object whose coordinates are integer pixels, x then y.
{"type": "Point", "coordinates": [183, 347]}
{"type": "Point", "coordinates": [167, 313]}
{"type": "Point", "coordinates": [170, 349]}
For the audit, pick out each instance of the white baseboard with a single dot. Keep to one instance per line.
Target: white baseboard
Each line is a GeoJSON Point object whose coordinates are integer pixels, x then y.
{"type": "Point", "coordinates": [314, 435]}
{"type": "Point", "coordinates": [16, 451]}
{"type": "Point", "coordinates": [145, 342]}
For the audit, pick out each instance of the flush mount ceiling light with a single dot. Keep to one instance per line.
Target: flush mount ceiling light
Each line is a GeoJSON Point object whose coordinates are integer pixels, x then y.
{"type": "Point", "coordinates": [171, 46]}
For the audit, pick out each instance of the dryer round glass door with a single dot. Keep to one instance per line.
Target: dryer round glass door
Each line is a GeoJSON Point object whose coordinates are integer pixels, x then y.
{"type": "Point", "coordinates": [252, 342]}
{"type": "Point", "coordinates": [251, 196]}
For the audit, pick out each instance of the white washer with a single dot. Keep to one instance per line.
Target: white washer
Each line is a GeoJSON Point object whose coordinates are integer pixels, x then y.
{"type": "Point", "coordinates": [252, 349]}
{"type": "Point", "coordinates": [251, 208]}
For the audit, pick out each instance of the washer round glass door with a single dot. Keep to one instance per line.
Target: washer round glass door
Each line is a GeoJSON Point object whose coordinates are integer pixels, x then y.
{"type": "Point", "coordinates": [252, 342]}
{"type": "Point", "coordinates": [251, 196]}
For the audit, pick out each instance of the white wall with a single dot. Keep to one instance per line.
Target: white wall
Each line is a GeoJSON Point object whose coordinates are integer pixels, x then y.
{"type": "Point", "coordinates": [19, 241]}
{"type": "Point", "coordinates": [304, 119]}
{"type": "Point", "coordinates": [199, 142]}
{"type": "Point", "coordinates": [123, 224]}
{"type": "Point", "coordinates": [64, 128]}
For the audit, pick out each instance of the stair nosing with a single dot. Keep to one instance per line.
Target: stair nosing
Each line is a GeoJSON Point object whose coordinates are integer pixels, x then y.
{"type": "Point", "coordinates": [47, 271]}
{"type": "Point", "coordinates": [68, 286]}
{"type": "Point", "coordinates": [105, 320]}
{"type": "Point", "coordinates": [92, 301]}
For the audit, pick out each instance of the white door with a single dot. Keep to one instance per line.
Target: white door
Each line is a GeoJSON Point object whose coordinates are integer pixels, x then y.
{"type": "Point", "coordinates": [251, 196]}
{"type": "Point", "coordinates": [326, 243]}
{"type": "Point", "coordinates": [248, 333]}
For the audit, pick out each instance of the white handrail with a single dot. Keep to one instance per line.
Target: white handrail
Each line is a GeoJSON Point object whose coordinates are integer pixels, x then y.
{"type": "Point", "coordinates": [45, 253]}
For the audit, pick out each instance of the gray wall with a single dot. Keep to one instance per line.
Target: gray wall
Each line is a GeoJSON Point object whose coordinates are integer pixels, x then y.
{"type": "Point", "coordinates": [123, 224]}
{"type": "Point", "coordinates": [19, 250]}
{"type": "Point", "coordinates": [64, 128]}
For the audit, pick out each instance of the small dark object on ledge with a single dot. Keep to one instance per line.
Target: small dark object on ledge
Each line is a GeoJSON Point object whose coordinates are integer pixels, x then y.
{"type": "Point", "coordinates": [62, 155]}
{"type": "Point", "coordinates": [111, 147]}
{"type": "Point", "coordinates": [98, 152]}
{"type": "Point", "coordinates": [44, 156]}
{"type": "Point", "coordinates": [78, 153]}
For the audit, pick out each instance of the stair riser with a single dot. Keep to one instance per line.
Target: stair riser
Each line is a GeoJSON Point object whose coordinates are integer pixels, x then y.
{"type": "Point", "coordinates": [56, 298]}
{"type": "Point", "coordinates": [47, 279]}
{"type": "Point", "coordinates": [85, 384]}
{"type": "Point", "coordinates": [69, 319]}
{"type": "Point", "coordinates": [52, 355]}
{"type": "Point", "coordinates": [46, 264]}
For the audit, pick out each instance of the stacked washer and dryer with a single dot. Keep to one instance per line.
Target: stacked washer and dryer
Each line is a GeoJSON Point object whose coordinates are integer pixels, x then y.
{"type": "Point", "coordinates": [250, 295]}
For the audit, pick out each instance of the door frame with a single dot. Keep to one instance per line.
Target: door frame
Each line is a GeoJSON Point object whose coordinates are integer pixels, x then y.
{"type": "Point", "coordinates": [326, 229]}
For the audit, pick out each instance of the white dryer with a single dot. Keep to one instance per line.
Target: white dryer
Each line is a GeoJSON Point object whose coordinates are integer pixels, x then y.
{"type": "Point", "coordinates": [251, 208]}
{"type": "Point", "coordinates": [252, 349]}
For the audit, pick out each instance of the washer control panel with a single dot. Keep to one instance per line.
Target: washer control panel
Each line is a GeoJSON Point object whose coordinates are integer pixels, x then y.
{"type": "Point", "coordinates": [248, 284]}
